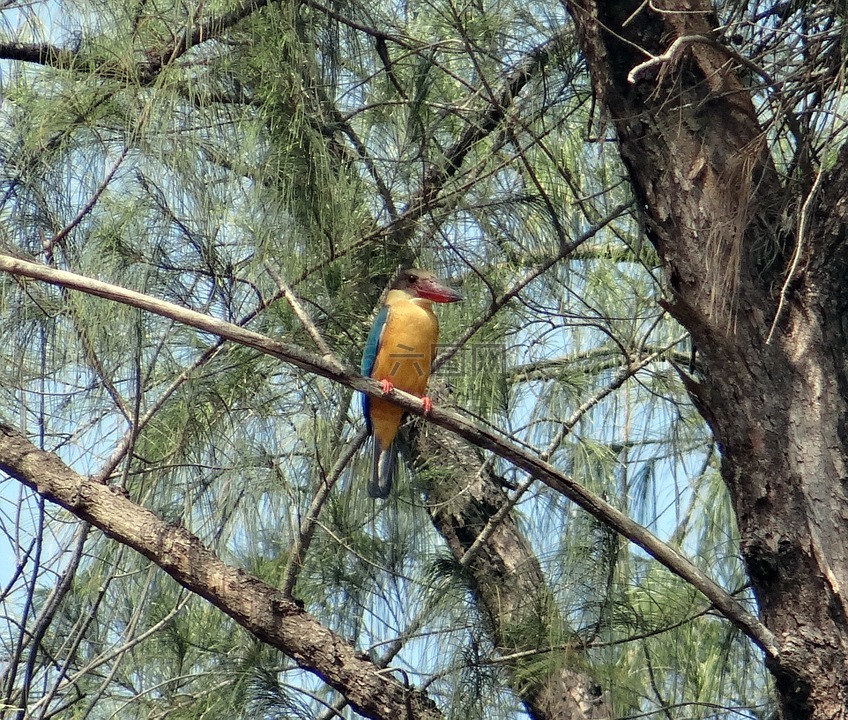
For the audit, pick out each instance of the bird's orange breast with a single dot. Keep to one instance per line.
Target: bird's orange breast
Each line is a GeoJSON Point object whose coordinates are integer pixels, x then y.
{"type": "Point", "coordinates": [404, 358]}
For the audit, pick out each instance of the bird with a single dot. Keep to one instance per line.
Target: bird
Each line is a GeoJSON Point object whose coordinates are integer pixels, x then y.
{"type": "Point", "coordinates": [399, 353]}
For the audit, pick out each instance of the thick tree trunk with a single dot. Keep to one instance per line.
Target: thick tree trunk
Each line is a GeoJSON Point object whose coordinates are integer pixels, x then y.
{"type": "Point", "coordinates": [469, 508]}
{"type": "Point", "coordinates": [715, 209]}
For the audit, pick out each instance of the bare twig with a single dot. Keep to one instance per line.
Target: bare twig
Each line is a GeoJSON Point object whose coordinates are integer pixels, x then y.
{"type": "Point", "coordinates": [302, 315]}
{"type": "Point", "coordinates": [803, 226]}
{"type": "Point", "coordinates": [671, 55]}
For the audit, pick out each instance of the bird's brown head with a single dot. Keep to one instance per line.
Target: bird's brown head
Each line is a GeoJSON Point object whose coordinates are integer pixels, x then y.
{"type": "Point", "coordinates": [424, 284]}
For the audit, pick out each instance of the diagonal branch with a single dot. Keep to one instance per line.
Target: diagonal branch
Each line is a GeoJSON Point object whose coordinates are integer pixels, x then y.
{"type": "Point", "coordinates": [258, 607]}
{"type": "Point", "coordinates": [489, 118]}
{"type": "Point", "coordinates": [196, 34]}
{"type": "Point", "coordinates": [480, 126]}
{"type": "Point", "coordinates": [484, 438]}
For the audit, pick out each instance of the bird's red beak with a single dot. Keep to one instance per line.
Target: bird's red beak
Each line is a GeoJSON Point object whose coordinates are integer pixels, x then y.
{"type": "Point", "coordinates": [434, 290]}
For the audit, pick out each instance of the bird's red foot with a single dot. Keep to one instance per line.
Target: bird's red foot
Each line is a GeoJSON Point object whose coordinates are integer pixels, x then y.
{"type": "Point", "coordinates": [386, 387]}
{"type": "Point", "coordinates": [427, 404]}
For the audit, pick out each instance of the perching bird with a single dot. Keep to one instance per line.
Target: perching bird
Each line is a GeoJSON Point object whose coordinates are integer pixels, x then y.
{"type": "Point", "coordinates": [398, 353]}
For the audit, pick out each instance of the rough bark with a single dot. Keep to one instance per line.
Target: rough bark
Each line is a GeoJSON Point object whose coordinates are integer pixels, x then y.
{"type": "Point", "coordinates": [264, 611]}
{"type": "Point", "coordinates": [466, 503]}
{"type": "Point", "coordinates": [714, 209]}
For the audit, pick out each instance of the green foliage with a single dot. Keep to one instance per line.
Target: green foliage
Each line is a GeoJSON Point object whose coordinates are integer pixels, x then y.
{"type": "Point", "coordinates": [286, 146]}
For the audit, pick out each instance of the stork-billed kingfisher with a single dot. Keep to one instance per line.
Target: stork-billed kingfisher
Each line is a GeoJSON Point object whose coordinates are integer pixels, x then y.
{"type": "Point", "coordinates": [398, 353]}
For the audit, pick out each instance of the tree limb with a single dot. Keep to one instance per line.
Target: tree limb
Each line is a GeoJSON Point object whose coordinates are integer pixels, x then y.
{"type": "Point", "coordinates": [258, 607]}
{"type": "Point", "coordinates": [484, 438]}
{"type": "Point", "coordinates": [155, 58]}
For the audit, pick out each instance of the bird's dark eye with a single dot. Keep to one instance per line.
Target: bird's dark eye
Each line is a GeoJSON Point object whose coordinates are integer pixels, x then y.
{"type": "Point", "coordinates": [412, 279]}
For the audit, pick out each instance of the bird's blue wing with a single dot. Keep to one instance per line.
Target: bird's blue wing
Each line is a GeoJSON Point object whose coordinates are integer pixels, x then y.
{"type": "Point", "coordinates": [369, 356]}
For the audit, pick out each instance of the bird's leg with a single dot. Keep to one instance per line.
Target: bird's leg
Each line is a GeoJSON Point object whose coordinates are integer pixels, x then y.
{"type": "Point", "coordinates": [386, 387]}
{"type": "Point", "coordinates": [427, 404]}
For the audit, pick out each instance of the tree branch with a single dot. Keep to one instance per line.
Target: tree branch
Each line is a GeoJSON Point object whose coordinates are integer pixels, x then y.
{"type": "Point", "coordinates": [155, 58]}
{"type": "Point", "coordinates": [484, 438]}
{"type": "Point", "coordinates": [479, 126]}
{"type": "Point", "coordinates": [473, 513]}
{"type": "Point", "coordinates": [40, 54]}
{"type": "Point", "coordinates": [258, 607]}
{"type": "Point", "coordinates": [196, 34]}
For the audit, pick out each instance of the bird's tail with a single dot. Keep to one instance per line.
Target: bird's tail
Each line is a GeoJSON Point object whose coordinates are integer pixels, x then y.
{"type": "Point", "coordinates": [382, 469]}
